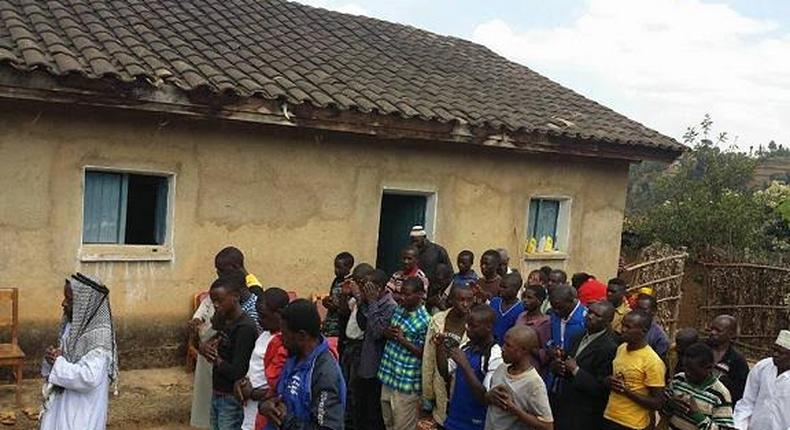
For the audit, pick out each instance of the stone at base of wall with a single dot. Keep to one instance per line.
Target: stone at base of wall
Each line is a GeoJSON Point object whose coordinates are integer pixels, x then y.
{"type": "Point", "coordinates": [142, 343]}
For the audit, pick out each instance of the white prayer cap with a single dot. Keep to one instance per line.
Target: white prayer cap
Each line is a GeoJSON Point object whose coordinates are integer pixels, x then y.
{"type": "Point", "coordinates": [418, 231]}
{"type": "Point", "coordinates": [783, 339]}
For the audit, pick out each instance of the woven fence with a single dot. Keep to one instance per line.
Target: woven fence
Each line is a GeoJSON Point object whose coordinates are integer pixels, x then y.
{"type": "Point", "coordinates": [757, 295]}
{"type": "Point", "coordinates": [660, 267]}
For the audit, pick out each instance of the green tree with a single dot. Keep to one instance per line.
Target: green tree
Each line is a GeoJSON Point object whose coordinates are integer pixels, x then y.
{"type": "Point", "coordinates": [703, 201]}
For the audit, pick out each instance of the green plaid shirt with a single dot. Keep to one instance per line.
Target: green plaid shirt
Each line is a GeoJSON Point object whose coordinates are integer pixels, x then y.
{"type": "Point", "coordinates": [400, 369]}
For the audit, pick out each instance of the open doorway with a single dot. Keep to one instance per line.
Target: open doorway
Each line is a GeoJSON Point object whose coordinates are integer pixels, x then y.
{"type": "Point", "coordinates": [400, 211]}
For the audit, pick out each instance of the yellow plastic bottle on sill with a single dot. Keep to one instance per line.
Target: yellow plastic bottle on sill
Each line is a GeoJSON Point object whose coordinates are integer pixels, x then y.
{"type": "Point", "coordinates": [532, 245]}
{"type": "Point", "coordinates": [549, 246]}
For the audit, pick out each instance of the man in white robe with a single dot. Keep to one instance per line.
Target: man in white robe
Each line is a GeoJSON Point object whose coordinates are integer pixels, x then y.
{"type": "Point", "coordinates": [79, 372]}
{"type": "Point", "coordinates": [766, 400]}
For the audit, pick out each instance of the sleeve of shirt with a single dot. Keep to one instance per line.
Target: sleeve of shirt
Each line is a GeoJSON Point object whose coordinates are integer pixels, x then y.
{"type": "Point", "coordinates": [202, 311]}
{"type": "Point", "coordinates": [721, 415]}
{"type": "Point", "coordinates": [494, 361]}
{"type": "Point", "coordinates": [236, 368]}
{"type": "Point", "coordinates": [274, 360]}
{"type": "Point", "coordinates": [82, 376]}
{"type": "Point", "coordinates": [444, 258]}
{"type": "Point", "coordinates": [655, 373]}
{"type": "Point", "coordinates": [739, 373]}
{"type": "Point", "coordinates": [537, 397]}
{"type": "Point", "coordinates": [326, 405]}
{"type": "Point", "coordinates": [593, 380]}
{"type": "Point", "coordinates": [378, 320]}
{"type": "Point", "coordinates": [662, 345]}
{"type": "Point", "coordinates": [745, 406]}
{"type": "Point", "coordinates": [429, 363]}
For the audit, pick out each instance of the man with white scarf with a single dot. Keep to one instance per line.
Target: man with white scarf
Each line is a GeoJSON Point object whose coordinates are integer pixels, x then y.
{"type": "Point", "coordinates": [79, 372]}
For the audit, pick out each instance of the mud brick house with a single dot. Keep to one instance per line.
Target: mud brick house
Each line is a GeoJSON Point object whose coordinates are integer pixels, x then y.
{"type": "Point", "coordinates": [138, 137]}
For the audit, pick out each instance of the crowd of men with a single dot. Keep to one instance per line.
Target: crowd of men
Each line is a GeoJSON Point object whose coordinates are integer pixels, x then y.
{"type": "Point", "coordinates": [471, 351]}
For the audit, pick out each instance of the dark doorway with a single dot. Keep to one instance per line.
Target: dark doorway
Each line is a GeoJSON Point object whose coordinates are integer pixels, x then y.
{"type": "Point", "coordinates": [399, 213]}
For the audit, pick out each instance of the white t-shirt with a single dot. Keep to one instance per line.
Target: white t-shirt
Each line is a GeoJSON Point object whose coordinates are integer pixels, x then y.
{"type": "Point", "coordinates": [352, 328]}
{"type": "Point", "coordinates": [529, 393]}
{"type": "Point", "coordinates": [257, 376]}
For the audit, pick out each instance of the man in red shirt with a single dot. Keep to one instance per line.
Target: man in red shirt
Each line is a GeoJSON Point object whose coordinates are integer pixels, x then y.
{"type": "Point", "coordinates": [588, 289]}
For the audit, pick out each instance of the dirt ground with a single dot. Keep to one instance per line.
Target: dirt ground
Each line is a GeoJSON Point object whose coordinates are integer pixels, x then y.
{"type": "Point", "coordinates": [152, 399]}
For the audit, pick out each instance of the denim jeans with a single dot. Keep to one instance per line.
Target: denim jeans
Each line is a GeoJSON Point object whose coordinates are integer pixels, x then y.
{"type": "Point", "coordinates": [226, 412]}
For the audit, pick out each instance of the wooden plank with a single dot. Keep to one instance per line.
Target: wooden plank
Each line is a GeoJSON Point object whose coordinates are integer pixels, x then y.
{"type": "Point", "coordinates": [766, 307]}
{"type": "Point", "coordinates": [749, 265]}
{"type": "Point", "coordinates": [656, 261]}
{"type": "Point", "coordinates": [656, 281]}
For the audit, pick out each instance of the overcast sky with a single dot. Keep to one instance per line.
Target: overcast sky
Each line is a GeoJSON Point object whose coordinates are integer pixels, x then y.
{"type": "Point", "coordinates": [664, 63]}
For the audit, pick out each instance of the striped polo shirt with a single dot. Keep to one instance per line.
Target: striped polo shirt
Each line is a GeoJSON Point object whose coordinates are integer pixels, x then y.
{"type": "Point", "coordinates": [712, 399]}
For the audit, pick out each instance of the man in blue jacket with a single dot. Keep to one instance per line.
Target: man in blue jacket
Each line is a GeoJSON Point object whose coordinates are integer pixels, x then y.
{"type": "Point", "coordinates": [311, 392]}
{"type": "Point", "coordinates": [567, 322]}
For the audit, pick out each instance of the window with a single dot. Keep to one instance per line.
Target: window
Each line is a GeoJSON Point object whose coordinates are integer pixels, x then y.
{"type": "Point", "coordinates": [125, 208]}
{"type": "Point", "coordinates": [547, 224]}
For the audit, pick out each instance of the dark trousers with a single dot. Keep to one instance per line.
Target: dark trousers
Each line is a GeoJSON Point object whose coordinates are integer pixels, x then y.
{"type": "Point", "coordinates": [349, 363]}
{"type": "Point", "coordinates": [367, 411]}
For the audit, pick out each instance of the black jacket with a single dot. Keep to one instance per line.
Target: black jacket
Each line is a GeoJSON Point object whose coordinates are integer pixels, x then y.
{"type": "Point", "coordinates": [430, 256]}
{"type": "Point", "coordinates": [733, 370]}
{"type": "Point", "coordinates": [582, 400]}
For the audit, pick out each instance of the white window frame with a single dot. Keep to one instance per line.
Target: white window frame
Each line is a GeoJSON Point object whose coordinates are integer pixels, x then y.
{"type": "Point", "coordinates": [563, 227]}
{"type": "Point", "coordinates": [431, 202]}
{"type": "Point", "coordinates": [96, 252]}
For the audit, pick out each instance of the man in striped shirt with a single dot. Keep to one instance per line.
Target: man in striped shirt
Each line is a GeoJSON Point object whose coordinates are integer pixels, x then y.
{"type": "Point", "coordinates": [696, 399]}
{"type": "Point", "coordinates": [400, 370]}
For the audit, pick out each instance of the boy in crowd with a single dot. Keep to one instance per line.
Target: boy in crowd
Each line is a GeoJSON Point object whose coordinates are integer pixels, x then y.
{"type": "Point", "coordinates": [229, 353]}
{"type": "Point", "coordinates": [267, 359]}
{"type": "Point", "coordinates": [506, 305]}
{"type": "Point", "coordinates": [556, 277]}
{"type": "Point", "coordinates": [400, 370]}
{"type": "Point", "coordinates": [311, 392]}
{"type": "Point", "coordinates": [439, 289]}
{"type": "Point", "coordinates": [334, 323]}
{"type": "Point", "coordinates": [616, 291]}
{"type": "Point", "coordinates": [588, 289]}
{"type": "Point", "coordinates": [533, 297]}
{"type": "Point", "coordinates": [637, 380]}
{"type": "Point", "coordinates": [374, 315]}
{"type": "Point", "coordinates": [451, 323]}
{"type": "Point", "coordinates": [683, 339]}
{"type": "Point", "coordinates": [696, 399]}
{"type": "Point", "coordinates": [409, 269]}
{"type": "Point", "coordinates": [231, 259]}
{"type": "Point", "coordinates": [352, 335]}
{"type": "Point", "coordinates": [518, 398]}
{"type": "Point", "coordinates": [656, 337]}
{"type": "Point", "coordinates": [466, 274]}
{"type": "Point", "coordinates": [471, 367]}
{"type": "Point", "coordinates": [488, 285]}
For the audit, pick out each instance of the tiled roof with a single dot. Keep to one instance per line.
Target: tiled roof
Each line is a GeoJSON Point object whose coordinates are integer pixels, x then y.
{"type": "Point", "coordinates": [276, 49]}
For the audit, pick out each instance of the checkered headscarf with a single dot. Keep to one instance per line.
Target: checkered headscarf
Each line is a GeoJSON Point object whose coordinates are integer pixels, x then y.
{"type": "Point", "coordinates": [91, 322]}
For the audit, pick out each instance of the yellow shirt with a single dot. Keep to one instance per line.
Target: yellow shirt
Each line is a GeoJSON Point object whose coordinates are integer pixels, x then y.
{"type": "Point", "coordinates": [641, 369]}
{"type": "Point", "coordinates": [252, 281]}
{"type": "Point", "coordinates": [619, 314]}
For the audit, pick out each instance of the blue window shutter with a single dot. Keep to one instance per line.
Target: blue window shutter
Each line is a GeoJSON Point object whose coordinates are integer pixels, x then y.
{"type": "Point", "coordinates": [162, 198]}
{"type": "Point", "coordinates": [103, 203]}
{"type": "Point", "coordinates": [532, 219]}
{"type": "Point", "coordinates": [547, 219]}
